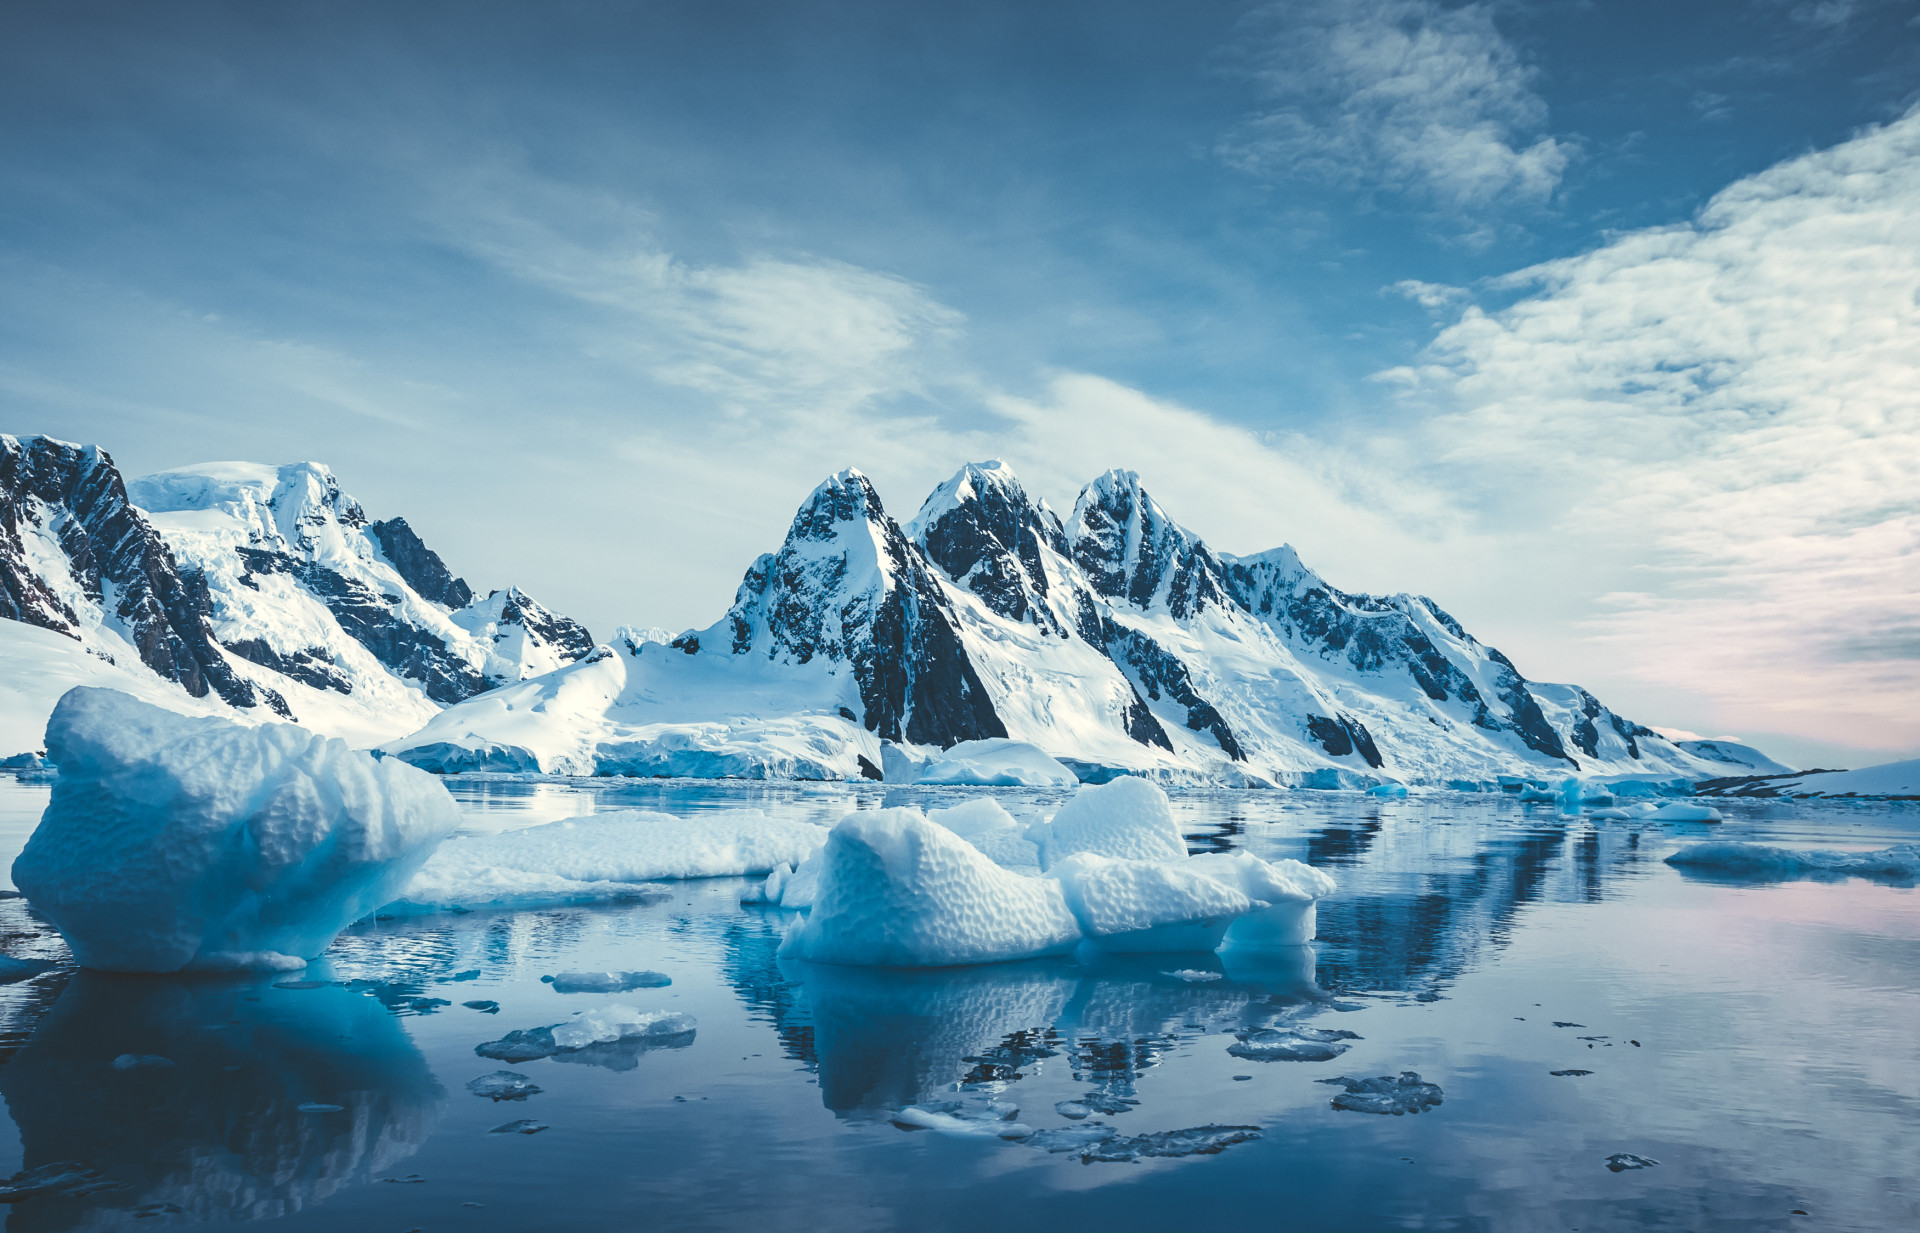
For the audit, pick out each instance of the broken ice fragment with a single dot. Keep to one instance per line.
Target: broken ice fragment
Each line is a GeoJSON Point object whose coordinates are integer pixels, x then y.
{"type": "Point", "coordinates": [523, 1126]}
{"type": "Point", "coordinates": [1564, 1074]}
{"type": "Point", "coordinates": [486, 1006]}
{"type": "Point", "coordinates": [1559, 1023]}
{"type": "Point", "coordinates": [606, 982]}
{"type": "Point", "coordinates": [1386, 1094]}
{"type": "Point", "coordinates": [1071, 1109]}
{"type": "Point", "coordinates": [503, 1085]}
{"type": "Point", "coordinates": [913, 1117]}
{"type": "Point", "coordinates": [1292, 1044]}
{"type": "Point", "coordinates": [1193, 975]}
{"type": "Point", "coordinates": [1194, 1141]}
{"type": "Point", "coordinates": [524, 1046]}
{"type": "Point", "coordinates": [1620, 1162]}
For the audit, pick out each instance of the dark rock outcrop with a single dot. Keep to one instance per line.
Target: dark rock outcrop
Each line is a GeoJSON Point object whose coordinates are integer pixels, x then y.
{"type": "Point", "coordinates": [420, 565]}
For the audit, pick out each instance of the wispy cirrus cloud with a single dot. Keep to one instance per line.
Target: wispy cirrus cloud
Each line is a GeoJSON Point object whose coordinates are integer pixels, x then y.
{"type": "Point", "coordinates": [1404, 96]}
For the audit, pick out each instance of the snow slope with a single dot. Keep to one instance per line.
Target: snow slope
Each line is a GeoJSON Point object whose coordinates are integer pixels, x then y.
{"type": "Point", "coordinates": [38, 665]}
{"type": "Point", "coordinates": [1888, 780]}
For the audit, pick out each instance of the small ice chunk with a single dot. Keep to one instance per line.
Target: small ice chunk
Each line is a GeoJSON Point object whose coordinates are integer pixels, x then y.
{"type": "Point", "coordinates": [1529, 793]}
{"type": "Point", "coordinates": [1194, 976]}
{"type": "Point", "coordinates": [520, 1126]}
{"type": "Point", "coordinates": [1071, 1138]}
{"type": "Point", "coordinates": [1299, 1044]}
{"type": "Point", "coordinates": [1683, 811]}
{"type": "Point", "coordinates": [1387, 789]}
{"type": "Point", "coordinates": [1568, 1074]}
{"type": "Point", "coordinates": [1571, 793]}
{"type": "Point", "coordinates": [1620, 1162]}
{"type": "Point", "coordinates": [503, 1085]}
{"type": "Point", "coordinates": [619, 1022]}
{"type": "Point", "coordinates": [173, 842]}
{"type": "Point", "coordinates": [524, 1046]}
{"type": "Point", "coordinates": [1129, 818]}
{"type": "Point", "coordinates": [913, 1117]}
{"type": "Point", "coordinates": [1071, 1109]}
{"type": "Point", "coordinates": [607, 982]}
{"type": "Point", "coordinates": [486, 1006]}
{"type": "Point", "coordinates": [1610, 815]}
{"type": "Point", "coordinates": [1386, 1094]}
{"type": "Point", "coordinates": [896, 890]}
{"type": "Point", "coordinates": [141, 1061]}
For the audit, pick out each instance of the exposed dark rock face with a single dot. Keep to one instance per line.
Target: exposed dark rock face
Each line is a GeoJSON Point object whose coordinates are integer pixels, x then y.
{"type": "Point", "coordinates": [1157, 672]}
{"type": "Point", "coordinates": [1132, 553]}
{"type": "Point", "coordinates": [1342, 736]}
{"type": "Point", "coordinates": [849, 586]}
{"type": "Point", "coordinates": [75, 494]}
{"type": "Point", "coordinates": [987, 534]}
{"type": "Point", "coordinates": [568, 637]}
{"type": "Point", "coordinates": [368, 616]}
{"type": "Point", "coordinates": [420, 565]}
{"type": "Point", "coordinates": [310, 665]}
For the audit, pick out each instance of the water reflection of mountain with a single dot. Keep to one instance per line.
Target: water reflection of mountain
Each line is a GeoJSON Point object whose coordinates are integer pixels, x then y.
{"type": "Point", "coordinates": [1422, 898]}
{"type": "Point", "coordinates": [220, 1133]}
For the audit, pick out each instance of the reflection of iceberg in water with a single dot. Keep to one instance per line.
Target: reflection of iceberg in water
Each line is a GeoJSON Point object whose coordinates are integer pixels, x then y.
{"type": "Point", "coordinates": [219, 1135]}
{"type": "Point", "coordinates": [885, 1039]}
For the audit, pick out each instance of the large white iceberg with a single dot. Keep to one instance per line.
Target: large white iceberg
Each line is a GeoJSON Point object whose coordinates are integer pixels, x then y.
{"type": "Point", "coordinates": [173, 842]}
{"type": "Point", "coordinates": [896, 890]}
{"type": "Point", "coordinates": [603, 856]}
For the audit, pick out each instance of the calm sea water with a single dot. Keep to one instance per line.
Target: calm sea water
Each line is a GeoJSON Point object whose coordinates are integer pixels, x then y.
{"type": "Point", "coordinates": [1760, 1041]}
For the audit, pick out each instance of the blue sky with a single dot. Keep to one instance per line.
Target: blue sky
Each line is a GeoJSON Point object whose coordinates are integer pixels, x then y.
{"type": "Point", "coordinates": [1595, 322]}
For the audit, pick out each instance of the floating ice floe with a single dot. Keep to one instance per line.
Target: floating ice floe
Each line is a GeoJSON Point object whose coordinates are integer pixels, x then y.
{"type": "Point", "coordinates": [1620, 1162]}
{"type": "Point", "coordinates": [606, 1025]}
{"type": "Point", "coordinates": [1683, 811]}
{"type": "Point", "coordinates": [1762, 861]}
{"type": "Point", "coordinates": [1386, 1094]}
{"type": "Point", "coordinates": [604, 856]}
{"type": "Point", "coordinates": [607, 982]}
{"type": "Point", "coordinates": [1106, 1144]}
{"type": "Point", "coordinates": [173, 842]}
{"type": "Point", "coordinates": [952, 1117]}
{"type": "Point", "coordinates": [894, 888]}
{"type": "Point", "coordinates": [504, 1085]}
{"type": "Point", "coordinates": [997, 762]}
{"type": "Point", "coordinates": [1298, 1044]}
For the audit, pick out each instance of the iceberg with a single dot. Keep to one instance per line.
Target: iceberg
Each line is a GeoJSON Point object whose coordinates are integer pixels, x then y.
{"type": "Point", "coordinates": [998, 763]}
{"type": "Point", "coordinates": [896, 890]}
{"type": "Point", "coordinates": [173, 842]}
{"type": "Point", "coordinates": [604, 856]}
{"type": "Point", "coordinates": [1683, 811]}
{"type": "Point", "coordinates": [1000, 836]}
{"type": "Point", "coordinates": [1285, 894]}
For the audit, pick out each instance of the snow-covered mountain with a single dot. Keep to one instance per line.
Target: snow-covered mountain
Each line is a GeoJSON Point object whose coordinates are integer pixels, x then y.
{"type": "Point", "coordinates": [1116, 641]}
{"type": "Point", "coordinates": [266, 588]}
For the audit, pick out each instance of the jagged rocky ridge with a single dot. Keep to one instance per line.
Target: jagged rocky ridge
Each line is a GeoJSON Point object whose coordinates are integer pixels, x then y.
{"type": "Point", "coordinates": [1117, 641]}
{"type": "Point", "coordinates": [266, 586]}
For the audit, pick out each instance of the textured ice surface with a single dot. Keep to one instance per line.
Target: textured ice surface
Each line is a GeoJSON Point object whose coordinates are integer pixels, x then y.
{"type": "Point", "coordinates": [1284, 894]}
{"type": "Point", "coordinates": [603, 856]}
{"type": "Point", "coordinates": [1147, 905]}
{"type": "Point", "coordinates": [1299, 1044]}
{"type": "Point", "coordinates": [503, 1085]}
{"type": "Point", "coordinates": [896, 890]}
{"type": "Point", "coordinates": [1386, 1094]}
{"type": "Point", "coordinates": [1127, 818]}
{"type": "Point", "coordinates": [1762, 861]}
{"type": "Point", "coordinates": [607, 982]}
{"type": "Point", "coordinates": [1194, 1141]}
{"type": "Point", "coordinates": [174, 842]}
{"type": "Point", "coordinates": [996, 762]}
{"type": "Point", "coordinates": [998, 834]}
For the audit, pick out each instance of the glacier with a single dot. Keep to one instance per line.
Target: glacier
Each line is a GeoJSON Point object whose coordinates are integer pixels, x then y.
{"type": "Point", "coordinates": [173, 842]}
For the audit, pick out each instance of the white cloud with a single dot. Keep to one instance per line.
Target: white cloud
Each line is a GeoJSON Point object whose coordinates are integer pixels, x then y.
{"type": "Point", "coordinates": [1401, 95]}
{"type": "Point", "coordinates": [1730, 408]}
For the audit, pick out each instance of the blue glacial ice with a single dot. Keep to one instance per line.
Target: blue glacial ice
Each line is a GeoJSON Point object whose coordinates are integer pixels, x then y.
{"type": "Point", "coordinates": [1755, 860]}
{"type": "Point", "coordinates": [173, 842]}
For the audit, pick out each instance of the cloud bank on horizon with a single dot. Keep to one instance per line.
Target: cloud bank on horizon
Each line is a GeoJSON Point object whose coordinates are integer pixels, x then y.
{"type": "Point", "coordinates": [1661, 442]}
